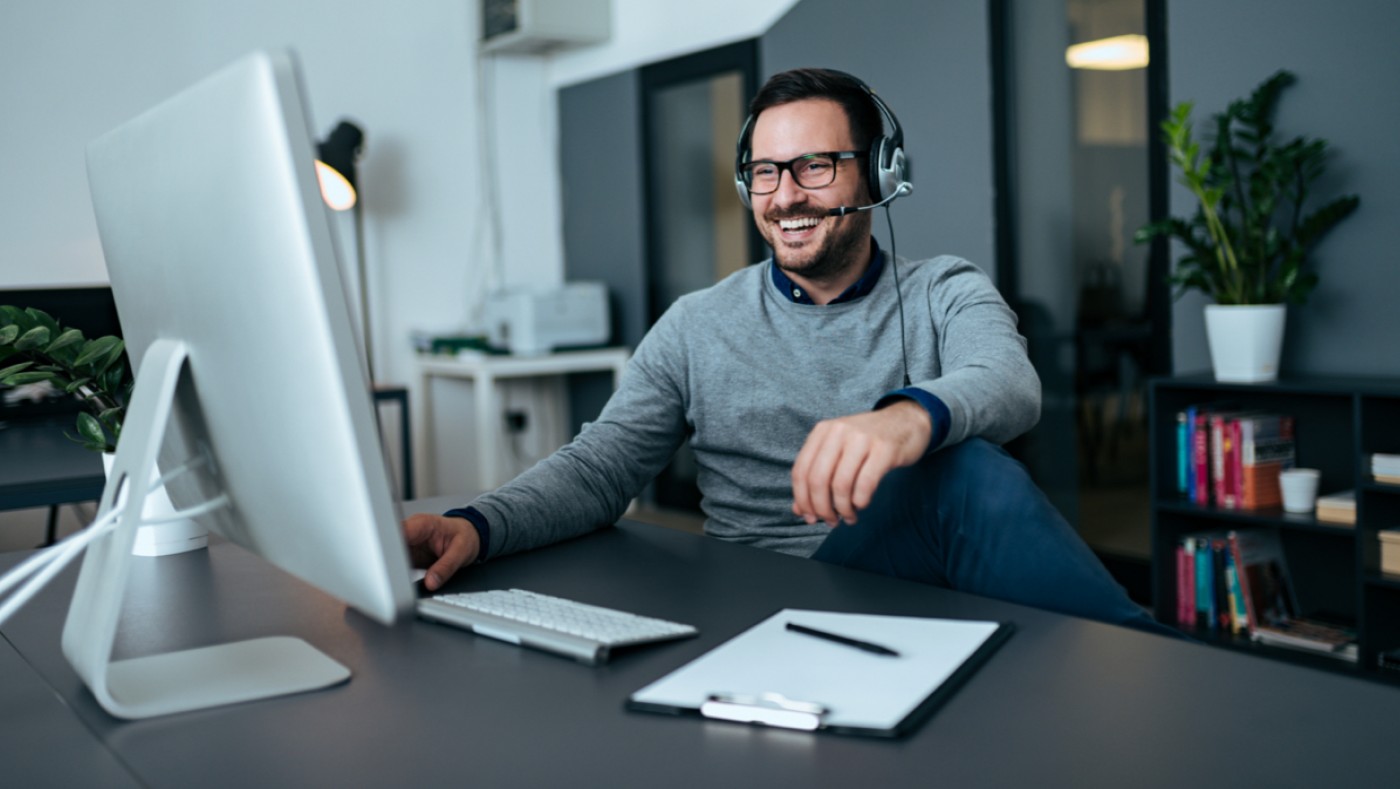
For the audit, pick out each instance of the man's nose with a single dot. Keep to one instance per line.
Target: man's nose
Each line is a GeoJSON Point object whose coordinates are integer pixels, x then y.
{"type": "Point", "coordinates": [788, 192]}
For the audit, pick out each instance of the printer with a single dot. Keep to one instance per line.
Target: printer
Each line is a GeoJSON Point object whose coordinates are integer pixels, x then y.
{"type": "Point", "coordinates": [532, 322]}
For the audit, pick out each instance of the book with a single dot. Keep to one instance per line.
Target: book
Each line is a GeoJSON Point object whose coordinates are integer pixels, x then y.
{"type": "Point", "coordinates": [1183, 467]}
{"type": "Point", "coordinates": [1239, 617]}
{"type": "Point", "coordinates": [1200, 457]}
{"type": "Point", "coordinates": [1222, 426]}
{"type": "Point", "coordinates": [1386, 468]}
{"type": "Point", "coordinates": [1338, 508]}
{"type": "Point", "coordinates": [1187, 450]}
{"type": "Point", "coordinates": [1186, 582]}
{"type": "Point", "coordinates": [1390, 550]}
{"type": "Point", "coordinates": [1272, 610]}
{"type": "Point", "coordinates": [1220, 587]}
{"type": "Point", "coordinates": [1265, 448]}
{"type": "Point", "coordinates": [1205, 584]}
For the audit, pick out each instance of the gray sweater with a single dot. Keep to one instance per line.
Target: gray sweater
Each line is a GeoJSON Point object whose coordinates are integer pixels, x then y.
{"type": "Point", "coordinates": [746, 373]}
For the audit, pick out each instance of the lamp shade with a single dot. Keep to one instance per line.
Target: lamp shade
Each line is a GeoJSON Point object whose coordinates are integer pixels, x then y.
{"type": "Point", "coordinates": [335, 166]}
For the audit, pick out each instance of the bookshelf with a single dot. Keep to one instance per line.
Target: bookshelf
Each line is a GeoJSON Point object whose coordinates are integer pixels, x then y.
{"type": "Point", "coordinates": [1334, 570]}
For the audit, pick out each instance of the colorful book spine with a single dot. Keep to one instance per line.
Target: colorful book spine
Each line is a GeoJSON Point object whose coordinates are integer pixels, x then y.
{"type": "Point", "coordinates": [1205, 585]}
{"type": "Point", "coordinates": [1239, 617]}
{"type": "Point", "coordinates": [1183, 456]}
{"type": "Point", "coordinates": [1200, 457]}
{"type": "Point", "coordinates": [1220, 587]}
{"type": "Point", "coordinates": [1189, 448]}
{"type": "Point", "coordinates": [1234, 492]}
{"type": "Point", "coordinates": [1187, 593]}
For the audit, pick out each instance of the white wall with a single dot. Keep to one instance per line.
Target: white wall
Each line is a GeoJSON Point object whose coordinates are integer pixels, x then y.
{"type": "Point", "coordinates": [70, 70]}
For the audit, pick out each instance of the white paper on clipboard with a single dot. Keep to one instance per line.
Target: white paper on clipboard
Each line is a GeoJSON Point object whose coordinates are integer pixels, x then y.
{"type": "Point", "coordinates": [857, 690]}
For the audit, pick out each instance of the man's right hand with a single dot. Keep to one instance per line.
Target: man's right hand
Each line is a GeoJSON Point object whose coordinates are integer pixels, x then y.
{"type": "Point", "coordinates": [441, 545]}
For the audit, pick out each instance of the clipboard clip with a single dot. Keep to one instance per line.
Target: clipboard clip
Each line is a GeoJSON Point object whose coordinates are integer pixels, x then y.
{"type": "Point", "coordinates": [767, 709]}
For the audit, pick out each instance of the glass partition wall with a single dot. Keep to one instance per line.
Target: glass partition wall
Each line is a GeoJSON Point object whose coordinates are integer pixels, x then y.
{"type": "Point", "coordinates": [1074, 154]}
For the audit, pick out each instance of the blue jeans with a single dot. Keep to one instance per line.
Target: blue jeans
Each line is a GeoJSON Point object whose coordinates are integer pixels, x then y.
{"type": "Point", "coordinates": [968, 517]}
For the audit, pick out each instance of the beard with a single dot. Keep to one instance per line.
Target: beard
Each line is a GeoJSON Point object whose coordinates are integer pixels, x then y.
{"type": "Point", "coordinates": [827, 258]}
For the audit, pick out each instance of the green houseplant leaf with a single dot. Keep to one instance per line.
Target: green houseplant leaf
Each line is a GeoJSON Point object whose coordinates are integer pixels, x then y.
{"type": "Point", "coordinates": [1250, 238]}
{"type": "Point", "coordinates": [36, 348]}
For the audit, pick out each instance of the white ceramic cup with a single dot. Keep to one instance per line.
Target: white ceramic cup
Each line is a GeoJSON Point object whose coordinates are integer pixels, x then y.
{"type": "Point", "coordinates": [1299, 489]}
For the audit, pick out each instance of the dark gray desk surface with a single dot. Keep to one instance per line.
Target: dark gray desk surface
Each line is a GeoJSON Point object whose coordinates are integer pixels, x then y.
{"type": "Point", "coordinates": [1065, 702]}
{"type": "Point", "coordinates": [40, 466]}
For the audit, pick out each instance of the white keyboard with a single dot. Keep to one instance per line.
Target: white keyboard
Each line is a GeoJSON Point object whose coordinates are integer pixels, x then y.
{"type": "Point", "coordinates": [584, 632]}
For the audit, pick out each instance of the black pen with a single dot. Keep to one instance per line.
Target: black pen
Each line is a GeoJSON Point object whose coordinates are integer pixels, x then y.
{"type": "Point", "coordinates": [847, 640]}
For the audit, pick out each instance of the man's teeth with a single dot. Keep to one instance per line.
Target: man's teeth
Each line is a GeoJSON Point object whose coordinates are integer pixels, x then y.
{"type": "Point", "coordinates": [798, 224]}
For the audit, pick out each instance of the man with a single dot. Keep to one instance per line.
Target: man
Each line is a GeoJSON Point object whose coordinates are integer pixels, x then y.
{"type": "Point", "coordinates": [789, 379]}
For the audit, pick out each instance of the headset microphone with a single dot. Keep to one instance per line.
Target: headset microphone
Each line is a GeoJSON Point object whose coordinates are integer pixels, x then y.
{"type": "Point", "coordinates": [904, 188]}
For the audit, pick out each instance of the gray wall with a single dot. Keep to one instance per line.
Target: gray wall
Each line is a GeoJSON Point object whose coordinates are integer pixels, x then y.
{"type": "Point", "coordinates": [930, 61]}
{"type": "Point", "coordinates": [1346, 60]}
{"type": "Point", "coordinates": [600, 166]}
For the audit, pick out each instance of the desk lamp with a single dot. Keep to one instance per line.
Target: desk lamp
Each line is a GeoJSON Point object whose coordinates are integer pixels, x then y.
{"type": "Point", "coordinates": [335, 169]}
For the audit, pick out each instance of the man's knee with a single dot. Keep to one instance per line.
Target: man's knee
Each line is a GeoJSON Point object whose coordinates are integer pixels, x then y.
{"type": "Point", "coordinates": [975, 463]}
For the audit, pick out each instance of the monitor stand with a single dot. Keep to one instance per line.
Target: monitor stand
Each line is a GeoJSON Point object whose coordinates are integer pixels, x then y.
{"type": "Point", "coordinates": [176, 681]}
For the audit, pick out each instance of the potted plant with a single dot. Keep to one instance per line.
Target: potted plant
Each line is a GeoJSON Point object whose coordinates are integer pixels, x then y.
{"type": "Point", "coordinates": [35, 348]}
{"type": "Point", "coordinates": [1247, 244]}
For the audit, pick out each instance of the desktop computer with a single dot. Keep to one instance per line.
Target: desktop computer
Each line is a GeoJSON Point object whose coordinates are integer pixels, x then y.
{"type": "Point", "coordinates": [227, 282]}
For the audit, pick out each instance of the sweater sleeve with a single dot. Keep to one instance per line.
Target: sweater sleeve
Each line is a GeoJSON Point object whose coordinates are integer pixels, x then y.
{"type": "Point", "coordinates": [987, 381]}
{"type": "Point", "coordinates": [588, 483]}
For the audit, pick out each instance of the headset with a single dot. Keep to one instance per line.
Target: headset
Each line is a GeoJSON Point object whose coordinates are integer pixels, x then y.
{"type": "Point", "coordinates": [886, 174]}
{"type": "Point", "coordinates": [886, 171]}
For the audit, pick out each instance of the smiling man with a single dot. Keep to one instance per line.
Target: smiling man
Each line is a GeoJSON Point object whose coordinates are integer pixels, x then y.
{"type": "Point", "coordinates": [842, 404]}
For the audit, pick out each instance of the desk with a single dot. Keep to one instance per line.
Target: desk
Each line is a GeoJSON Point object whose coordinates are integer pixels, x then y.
{"type": "Point", "coordinates": [1065, 702]}
{"type": "Point", "coordinates": [41, 467]}
{"type": "Point", "coordinates": [482, 371]}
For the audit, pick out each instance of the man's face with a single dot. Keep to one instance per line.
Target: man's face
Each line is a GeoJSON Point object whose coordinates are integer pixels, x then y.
{"type": "Point", "coordinates": [793, 220]}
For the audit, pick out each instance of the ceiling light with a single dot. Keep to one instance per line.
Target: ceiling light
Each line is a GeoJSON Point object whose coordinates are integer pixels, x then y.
{"type": "Point", "coordinates": [1118, 53]}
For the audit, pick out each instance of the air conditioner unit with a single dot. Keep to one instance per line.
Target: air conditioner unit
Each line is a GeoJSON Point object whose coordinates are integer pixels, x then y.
{"type": "Point", "coordinates": [535, 26]}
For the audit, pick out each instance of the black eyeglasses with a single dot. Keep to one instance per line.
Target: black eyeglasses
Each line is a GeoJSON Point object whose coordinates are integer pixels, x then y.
{"type": "Point", "coordinates": [810, 171]}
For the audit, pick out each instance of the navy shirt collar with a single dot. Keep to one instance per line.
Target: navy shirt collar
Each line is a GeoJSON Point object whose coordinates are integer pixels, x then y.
{"type": "Point", "coordinates": [861, 287]}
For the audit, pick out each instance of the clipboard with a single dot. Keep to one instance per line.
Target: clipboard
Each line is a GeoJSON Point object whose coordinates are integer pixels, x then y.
{"type": "Point", "coordinates": [770, 675]}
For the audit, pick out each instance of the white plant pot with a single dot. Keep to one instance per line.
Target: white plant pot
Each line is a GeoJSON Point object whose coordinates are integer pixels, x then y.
{"type": "Point", "coordinates": [1245, 341]}
{"type": "Point", "coordinates": [162, 539]}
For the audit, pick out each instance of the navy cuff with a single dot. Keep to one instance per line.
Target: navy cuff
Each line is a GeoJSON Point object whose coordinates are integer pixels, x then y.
{"type": "Point", "coordinates": [478, 522]}
{"type": "Point", "coordinates": [937, 411]}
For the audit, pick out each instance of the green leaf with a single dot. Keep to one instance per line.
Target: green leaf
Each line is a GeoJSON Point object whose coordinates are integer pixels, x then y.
{"type": "Point", "coordinates": [20, 379]}
{"type": "Point", "coordinates": [91, 430]}
{"type": "Point", "coordinates": [34, 338]}
{"type": "Point", "coordinates": [42, 318]}
{"type": "Point", "coordinates": [16, 316]}
{"type": "Point", "coordinates": [8, 334]}
{"type": "Point", "coordinates": [14, 368]}
{"type": "Point", "coordinates": [96, 349]}
{"type": "Point", "coordinates": [118, 349]}
{"type": "Point", "coordinates": [75, 384]}
{"type": "Point", "coordinates": [69, 337]}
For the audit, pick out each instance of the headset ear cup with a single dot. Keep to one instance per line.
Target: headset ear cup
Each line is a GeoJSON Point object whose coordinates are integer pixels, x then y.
{"type": "Point", "coordinates": [741, 155]}
{"type": "Point", "coordinates": [874, 167]}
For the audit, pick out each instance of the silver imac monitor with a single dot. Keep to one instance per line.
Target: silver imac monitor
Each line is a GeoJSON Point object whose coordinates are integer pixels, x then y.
{"type": "Point", "coordinates": [229, 290]}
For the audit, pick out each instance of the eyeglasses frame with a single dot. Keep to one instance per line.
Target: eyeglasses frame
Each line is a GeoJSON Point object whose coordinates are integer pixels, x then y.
{"type": "Point", "coordinates": [746, 172]}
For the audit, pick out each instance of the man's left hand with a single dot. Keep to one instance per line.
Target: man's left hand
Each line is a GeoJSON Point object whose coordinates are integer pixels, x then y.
{"type": "Point", "coordinates": [843, 460]}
